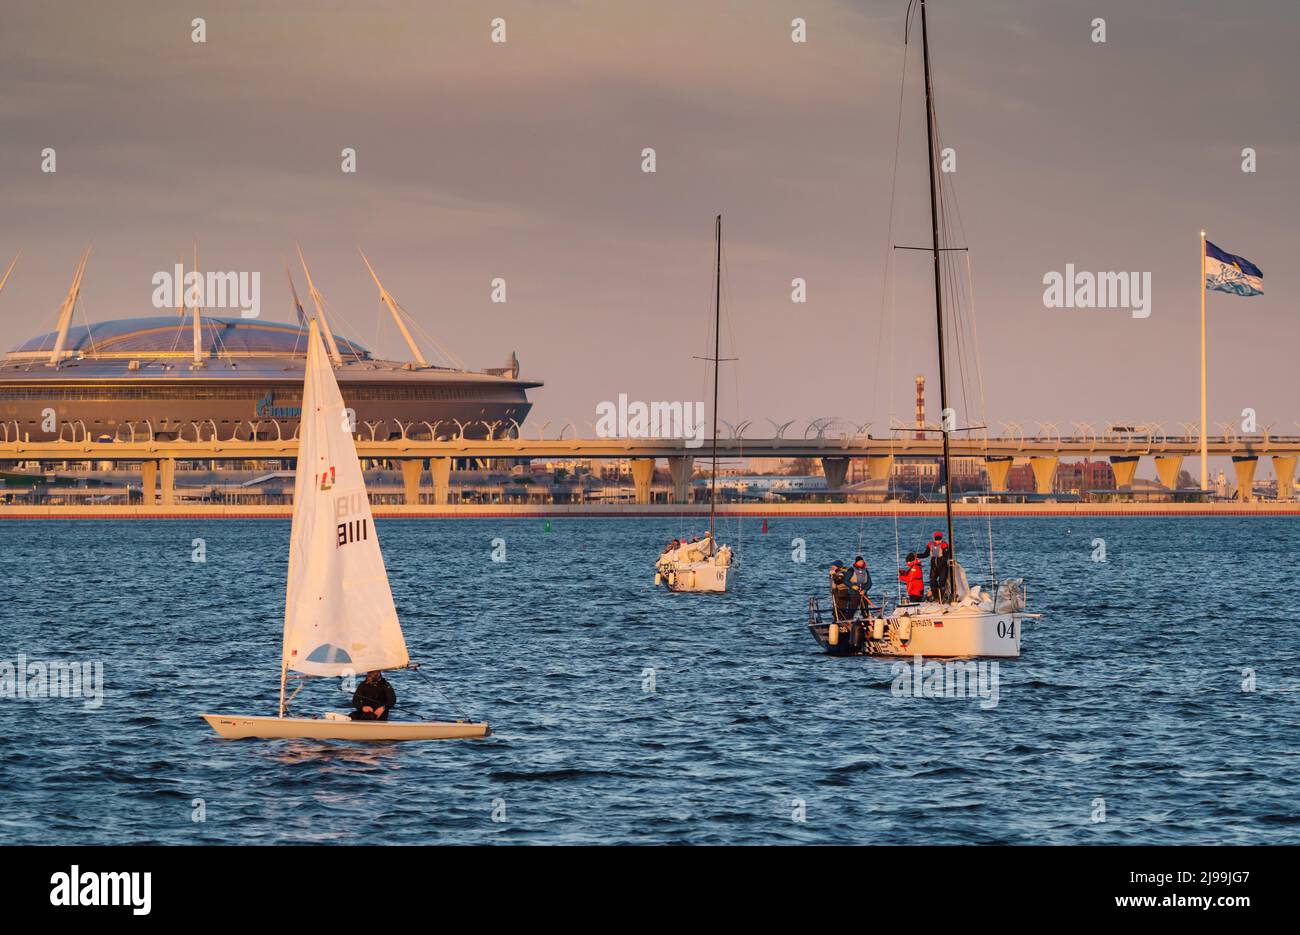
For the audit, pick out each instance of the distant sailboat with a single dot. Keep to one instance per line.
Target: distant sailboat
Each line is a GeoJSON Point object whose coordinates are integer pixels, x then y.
{"type": "Point", "coordinates": [339, 617]}
{"type": "Point", "coordinates": [702, 565]}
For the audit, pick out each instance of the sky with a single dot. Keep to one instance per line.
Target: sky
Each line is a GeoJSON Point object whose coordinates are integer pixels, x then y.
{"type": "Point", "coordinates": [523, 160]}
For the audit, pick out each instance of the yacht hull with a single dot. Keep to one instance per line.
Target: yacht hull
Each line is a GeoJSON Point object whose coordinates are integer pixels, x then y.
{"type": "Point", "coordinates": [930, 630]}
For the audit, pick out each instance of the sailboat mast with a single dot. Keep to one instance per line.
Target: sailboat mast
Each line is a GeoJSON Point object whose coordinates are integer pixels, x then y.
{"type": "Point", "coordinates": [717, 334]}
{"type": "Point", "coordinates": [938, 294]}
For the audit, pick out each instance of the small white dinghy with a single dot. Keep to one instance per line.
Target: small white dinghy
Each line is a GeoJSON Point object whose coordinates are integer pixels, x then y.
{"type": "Point", "coordinates": [339, 617]}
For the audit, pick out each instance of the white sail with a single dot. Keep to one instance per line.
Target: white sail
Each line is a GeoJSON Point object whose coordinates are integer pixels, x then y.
{"type": "Point", "coordinates": [339, 615]}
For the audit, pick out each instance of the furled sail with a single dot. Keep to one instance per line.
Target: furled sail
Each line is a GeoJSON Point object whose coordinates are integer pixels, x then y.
{"type": "Point", "coordinates": [339, 616]}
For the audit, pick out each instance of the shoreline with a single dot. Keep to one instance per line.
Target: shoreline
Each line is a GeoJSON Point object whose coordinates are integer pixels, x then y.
{"type": "Point", "coordinates": [630, 511]}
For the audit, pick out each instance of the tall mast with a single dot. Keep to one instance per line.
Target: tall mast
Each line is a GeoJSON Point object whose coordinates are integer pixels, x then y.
{"type": "Point", "coordinates": [387, 299]}
{"type": "Point", "coordinates": [717, 334]}
{"type": "Point", "coordinates": [938, 299]}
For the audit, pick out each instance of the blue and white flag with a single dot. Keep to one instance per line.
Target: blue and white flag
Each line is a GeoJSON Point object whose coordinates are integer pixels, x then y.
{"type": "Point", "coordinates": [1225, 272]}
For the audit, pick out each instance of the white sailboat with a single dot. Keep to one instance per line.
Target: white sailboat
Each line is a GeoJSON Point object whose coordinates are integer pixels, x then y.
{"type": "Point", "coordinates": [339, 617]}
{"type": "Point", "coordinates": [965, 621]}
{"type": "Point", "coordinates": [702, 565]}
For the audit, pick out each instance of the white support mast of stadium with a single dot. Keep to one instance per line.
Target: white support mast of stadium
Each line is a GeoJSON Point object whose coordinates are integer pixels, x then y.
{"type": "Point", "coordinates": [198, 353]}
{"type": "Point", "coordinates": [387, 299]}
{"type": "Point", "coordinates": [297, 303]}
{"type": "Point", "coordinates": [10, 270]}
{"type": "Point", "coordinates": [320, 312]}
{"type": "Point", "coordinates": [65, 311]}
{"type": "Point", "coordinates": [181, 308]}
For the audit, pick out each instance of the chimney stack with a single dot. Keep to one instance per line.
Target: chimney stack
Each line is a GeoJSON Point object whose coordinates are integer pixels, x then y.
{"type": "Point", "coordinates": [920, 407]}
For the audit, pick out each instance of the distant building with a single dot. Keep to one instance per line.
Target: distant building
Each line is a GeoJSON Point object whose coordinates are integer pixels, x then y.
{"type": "Point", "coordinates": [1082, 476]}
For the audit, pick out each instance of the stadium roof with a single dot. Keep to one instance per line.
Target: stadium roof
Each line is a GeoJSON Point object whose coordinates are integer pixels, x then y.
{"type": "Point", "coordinates": [171, 334]}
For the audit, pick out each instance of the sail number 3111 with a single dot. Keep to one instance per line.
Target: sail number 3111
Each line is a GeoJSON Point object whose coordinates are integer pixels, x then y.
{"type": "Point", "coordinates": [350, 530]}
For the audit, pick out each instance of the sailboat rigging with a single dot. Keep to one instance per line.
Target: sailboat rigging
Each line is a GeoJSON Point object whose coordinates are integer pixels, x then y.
{"type": "Point", "coordinates": [958, 620]}
{"type": "Point", "coordinates": [945, 421]}
{"type": "Point", "coordinates": [702, 565]}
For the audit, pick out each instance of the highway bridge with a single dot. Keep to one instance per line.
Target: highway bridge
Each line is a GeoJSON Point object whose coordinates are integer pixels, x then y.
{"type": "Point", "coordinates": [1043, 450]}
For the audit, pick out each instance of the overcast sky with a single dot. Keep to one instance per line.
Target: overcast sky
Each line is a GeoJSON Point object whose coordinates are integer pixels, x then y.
{"type": "Point", "coordinates": [522, 160]}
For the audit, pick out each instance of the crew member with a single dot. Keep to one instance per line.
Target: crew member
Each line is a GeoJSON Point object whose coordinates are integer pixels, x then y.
{"type": "Point", "coordinates": [938, 551]}
{"type": "Point", "coordinates": [373, 699]}
{"type": "Point", "coordinates": [841, 596]}
{"type": "Point", "coordinates": [914, 578]}
{"type": "Point", "coordinates": [859, 582]}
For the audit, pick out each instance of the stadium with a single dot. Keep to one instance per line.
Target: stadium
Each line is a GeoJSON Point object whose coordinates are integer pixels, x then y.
{"type": "Point", "coordinates": [164, 378]}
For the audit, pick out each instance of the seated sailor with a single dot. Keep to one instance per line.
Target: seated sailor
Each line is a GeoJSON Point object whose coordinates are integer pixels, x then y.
{"type": "Point", "coordinates": [373, 699]}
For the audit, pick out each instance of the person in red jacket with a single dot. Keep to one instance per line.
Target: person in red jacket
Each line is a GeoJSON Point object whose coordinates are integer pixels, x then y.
{"type": "Point", "coordinates": [914, 577]}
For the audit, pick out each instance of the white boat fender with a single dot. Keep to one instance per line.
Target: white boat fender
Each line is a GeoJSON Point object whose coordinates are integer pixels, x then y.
{"type": "Point", "coordinates": [878, 629]}
{"type": "Point", "coordinates": [833, 634]}
{"type": "Point", "coordinates": [659, 578]}
{"type": "Point", "coordinates": [904, 629]}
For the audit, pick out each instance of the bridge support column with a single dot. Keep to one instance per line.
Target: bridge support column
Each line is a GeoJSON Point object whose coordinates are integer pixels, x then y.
{"type": "Point", "coordinates": [1044, 468]}
{"type": "Point", "coordinates": [643, 475]}
{"type": "Point", "coordinates": [1125, 468]}
{"type": "Point", "coordinates": [440, 474]}
{"type": "Point", "coordinates": [412, 468]}
{"type": "Point", "coordinates": [1245, 467]}
{"type": "Point", "coordinates": [1167, 468]}
{"type": "Point", "coordinates": [149, 480]}
{"type": "Point", "coordinates": [1284, 468]}
{"type": "Point", "coordinates": [681, 468]}
{"type": "Point", "coordinates": [837, 469]}
{"type": "Point", "coordinates": [168, 472]}
{"type": "Point", "coordinates": [999, 469]}
{"type": "Point", "coordinates": [879, 466]}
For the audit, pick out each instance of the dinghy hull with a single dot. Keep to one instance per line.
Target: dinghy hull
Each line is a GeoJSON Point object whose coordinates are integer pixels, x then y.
{"type": "Point", "coordinates": [238, 727]}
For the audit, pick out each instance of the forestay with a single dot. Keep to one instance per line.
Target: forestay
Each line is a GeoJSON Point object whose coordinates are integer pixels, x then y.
{"type": "Point", "coordinates": [339, 615]}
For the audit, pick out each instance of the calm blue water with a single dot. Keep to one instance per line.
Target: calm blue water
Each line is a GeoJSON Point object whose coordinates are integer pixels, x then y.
{"type": "Point", "coordinates": [1130, 691]}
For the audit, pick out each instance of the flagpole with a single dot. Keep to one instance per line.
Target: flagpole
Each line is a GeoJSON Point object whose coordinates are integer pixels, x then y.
{"type": "Point", "coordinates": [1204, 444]}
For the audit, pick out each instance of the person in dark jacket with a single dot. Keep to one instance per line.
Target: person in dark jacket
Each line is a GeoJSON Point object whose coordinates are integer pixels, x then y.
{"type": "Point", "coordinates": [841, 596]}
{"type": "Point", "coordinates": [937, 550]}
{"type": "Point", "coordinates": [859, 582]}
{"type": "Point", "coordinates": [373, 699]}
